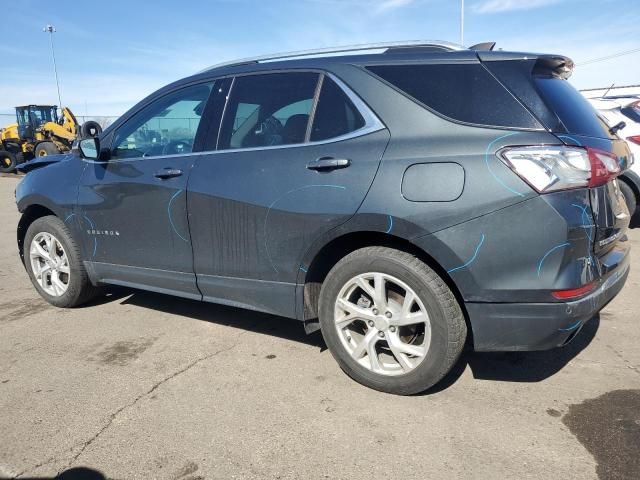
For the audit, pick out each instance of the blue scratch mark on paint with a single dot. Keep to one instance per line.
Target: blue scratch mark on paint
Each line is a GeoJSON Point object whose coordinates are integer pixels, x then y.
{"type": "Point", "coordinates": [175, 230]}
{"type": "Point", "coordinates": [303, 269]}
{"type": "Point", "coordinates": [585, 220]}
{"type": "Point", "coordinates": [572, 327]}
{"type": "Point", "coordinates": [475, 254]}
{"type": "Point", "coordinates": [68, 217]}
{"type": "Point", "coordinates": [266, 217]}
{"type": "Point", "coordinates": [390, 225]}
{"type": "Point", "coordinates": [95, 239]}
{"type": "Point", "coordinates": [486, 161]}
{"type": "Point", "coordinates": [571, 138]}
{"type": "Point", "coordinates": [557, 247]}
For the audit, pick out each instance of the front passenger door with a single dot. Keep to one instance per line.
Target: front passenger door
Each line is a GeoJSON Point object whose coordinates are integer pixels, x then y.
{"type": "Point", "coordinates": [133, 207]}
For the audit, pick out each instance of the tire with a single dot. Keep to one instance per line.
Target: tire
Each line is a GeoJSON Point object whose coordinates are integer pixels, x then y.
{"type": "Point", "coordinates": [79, 288]}
{"type": "Point", "coordinates": [46, 148]}
{"type": "Point", "coordinates": [629, 196]}
{"type": "Point", "coordinates": [8, 161]}
{"type": "Point", "coordinates": [90, 129]}
{"type": "Point", "coordinates": [448, 329]}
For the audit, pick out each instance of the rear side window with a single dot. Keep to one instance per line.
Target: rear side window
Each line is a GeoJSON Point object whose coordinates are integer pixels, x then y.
{"type": "Point", "coordinates": [464, 92]}
{"type": "Point", "coordinates": [268, 110]}
{"type": "Point", "coordinates": [574, 111]}
{"type": "Point", "coordinates": [335, 114]}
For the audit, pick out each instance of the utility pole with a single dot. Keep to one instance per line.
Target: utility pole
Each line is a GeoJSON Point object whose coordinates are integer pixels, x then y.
{"type": "Point", "coordinates": [461, 22]}
{"type": "Point", "coordinates": [50, 29]}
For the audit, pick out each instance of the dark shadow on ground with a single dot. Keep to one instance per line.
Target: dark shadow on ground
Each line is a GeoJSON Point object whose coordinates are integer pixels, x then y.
{"type": "Point", "coordinates": [257, 322]}
{"type": "Point", "coordinates": [518, 366]}
{"type": "Point", "coordinates": [76, 473]}
{"type": "Point", "coordinates": [502, 366]}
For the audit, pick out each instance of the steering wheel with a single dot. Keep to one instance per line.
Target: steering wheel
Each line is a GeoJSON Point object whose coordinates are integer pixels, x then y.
{"type": "Point", "coordinates": [177, 146]}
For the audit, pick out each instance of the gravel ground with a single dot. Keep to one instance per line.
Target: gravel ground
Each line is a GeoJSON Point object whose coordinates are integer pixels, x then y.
{"type": "Point", "coordinates": [139, 385]}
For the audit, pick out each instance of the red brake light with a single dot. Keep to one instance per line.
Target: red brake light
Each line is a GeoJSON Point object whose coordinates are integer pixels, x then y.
{"type": "Point", "coordinates": [604, 166]}
{"type": "Point", "coordinates": [635, 139]}
{"type": "Point", "coordinates": [573, 292]}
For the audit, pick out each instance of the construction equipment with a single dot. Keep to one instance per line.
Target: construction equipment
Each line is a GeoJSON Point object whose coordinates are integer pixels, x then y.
{"type": "Point", "coordinates": [39, 132]}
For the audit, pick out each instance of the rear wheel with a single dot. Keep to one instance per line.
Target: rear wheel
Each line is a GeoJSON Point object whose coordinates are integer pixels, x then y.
{"type": "Point", "coordinates": [7, 161]}
{"type": "Point", "coordinates": [390, 321]}
{"type": "Point", "coordinates": [53, 262]}
{"type": "Point", "coordinates": [46, 148]}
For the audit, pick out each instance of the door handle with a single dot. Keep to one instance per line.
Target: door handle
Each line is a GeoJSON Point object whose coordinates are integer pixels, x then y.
{"type": "Point", "coordinates": [168, 173]}
{"type": "Point", "coordinates": [325, 164]}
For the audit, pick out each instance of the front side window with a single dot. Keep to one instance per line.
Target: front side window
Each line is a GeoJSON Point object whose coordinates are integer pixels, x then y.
{"type": "Point", "coordinates": [268, 110]}
{"type": "Point", "coordinates": [167, 126]}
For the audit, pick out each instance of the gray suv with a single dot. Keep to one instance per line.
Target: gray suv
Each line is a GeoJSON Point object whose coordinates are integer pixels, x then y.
{"type": "Point", "coordinates": [406, 199]}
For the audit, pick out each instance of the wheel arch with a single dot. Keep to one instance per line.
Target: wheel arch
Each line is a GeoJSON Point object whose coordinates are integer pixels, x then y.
{"type": "Point", "coordinates": [329, 254]}
{"type": "Point", "coordinates": [30, 215]}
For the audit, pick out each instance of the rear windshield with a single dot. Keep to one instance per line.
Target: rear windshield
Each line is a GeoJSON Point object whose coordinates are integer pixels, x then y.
{"type": "Point", "coordinates": [463, 92]}
{"type": "Point", "coordinates": [573, 110]}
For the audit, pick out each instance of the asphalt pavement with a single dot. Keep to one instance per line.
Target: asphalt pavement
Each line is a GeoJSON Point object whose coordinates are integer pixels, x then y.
{"type": "Point", "coordinates": [140, 385]}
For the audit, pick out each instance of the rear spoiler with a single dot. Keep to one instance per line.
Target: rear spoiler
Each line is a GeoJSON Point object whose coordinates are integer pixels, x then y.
{"type": "Point", "coordinates": [554, 65]}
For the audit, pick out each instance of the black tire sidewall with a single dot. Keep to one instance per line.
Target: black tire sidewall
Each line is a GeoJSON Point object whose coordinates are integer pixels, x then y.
{"type": "Point", "coordinates": [431, 369]}
{"type": "Point", "coordinates": [629, 196]}
{"type": "Point", "coordinates": [78, 279]}
{"type": "Point", "coordinates": [48, 147]}
{"type": "Point", "coordinates": [10, 168]}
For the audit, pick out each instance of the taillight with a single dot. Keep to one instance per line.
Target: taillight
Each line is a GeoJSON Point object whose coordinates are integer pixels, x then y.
{"type": "Point", "coordinates": [635, 139]}
{"type": "Point", "coordinates": [574, 292]}
{"type": "Point", "coordinates": [604, 167]}
{"type": "Point", "coordinates": [549, 169]}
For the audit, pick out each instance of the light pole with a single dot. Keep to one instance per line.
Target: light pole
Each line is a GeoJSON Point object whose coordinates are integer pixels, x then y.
{"type": "Point", "coordinates": [50, 29]}
{"type": "Point", "coordinates": [461, 22]}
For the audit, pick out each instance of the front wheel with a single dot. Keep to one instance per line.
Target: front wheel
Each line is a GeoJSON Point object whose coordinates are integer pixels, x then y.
{"type": "Point", "coordinates": [53, 262]}
{"type": "Point", "coordinates": [390, 321]}
{"type": "Point", "coordinates": [46, 148]}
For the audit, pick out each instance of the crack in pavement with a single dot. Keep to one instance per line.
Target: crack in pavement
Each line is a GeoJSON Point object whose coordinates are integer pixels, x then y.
{"type": "Point", "coordinates": [113, 416]}
{"type": "Point", "coordinates": [629, 365]}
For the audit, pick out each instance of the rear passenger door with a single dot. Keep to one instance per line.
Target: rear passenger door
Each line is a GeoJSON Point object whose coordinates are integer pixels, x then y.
{"type": "Point", "coordinates": [296, 154]}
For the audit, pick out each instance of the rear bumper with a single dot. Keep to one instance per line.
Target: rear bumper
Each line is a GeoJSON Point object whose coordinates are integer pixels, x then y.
{"type": "Point", "coordinates": [541, 326]}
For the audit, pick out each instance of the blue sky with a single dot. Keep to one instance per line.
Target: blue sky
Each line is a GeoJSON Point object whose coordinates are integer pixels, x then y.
{"type": "Point", "coordinates": [114, 53]}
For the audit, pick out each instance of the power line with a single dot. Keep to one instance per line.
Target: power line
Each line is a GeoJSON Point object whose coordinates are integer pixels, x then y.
{"type": "Point", "coordinates": [609, 57]}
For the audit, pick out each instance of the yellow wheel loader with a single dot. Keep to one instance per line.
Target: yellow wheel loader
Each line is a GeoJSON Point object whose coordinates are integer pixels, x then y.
{"type": "Point", "coordinates": [39, 132]}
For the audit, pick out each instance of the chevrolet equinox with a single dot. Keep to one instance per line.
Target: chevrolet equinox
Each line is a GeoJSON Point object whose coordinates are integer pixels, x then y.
{"type": "Point", "coordinates": [406, 199]}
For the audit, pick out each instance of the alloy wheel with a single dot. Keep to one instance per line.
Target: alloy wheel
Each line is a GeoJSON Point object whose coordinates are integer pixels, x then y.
{"type": "Point", "coordinates": [50, 264]}
{"type": "Point", "coordinates": [382, 323]}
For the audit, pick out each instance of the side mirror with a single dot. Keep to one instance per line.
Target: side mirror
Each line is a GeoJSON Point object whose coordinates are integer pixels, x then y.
{"type": "Point", "coordinates": [89, 148]}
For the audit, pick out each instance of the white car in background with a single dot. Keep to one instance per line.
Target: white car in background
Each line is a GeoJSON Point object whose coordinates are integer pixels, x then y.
{"type": "Point", "coordinates": [625, 108]}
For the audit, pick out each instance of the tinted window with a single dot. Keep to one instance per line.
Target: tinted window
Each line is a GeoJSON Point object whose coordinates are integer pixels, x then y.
{"type": "Point", "coordinates": [464, 92]}
{"type": "Point", "coordinates": [573, 110]}
{"type": "Point", "coordinates": [335, 114]}
{"type": "Point", "coordinates": [167, 126]}
{"type": "Point", "coordinates": [632, 111]}
{"type": "Point", "coordinates": [268, 110]}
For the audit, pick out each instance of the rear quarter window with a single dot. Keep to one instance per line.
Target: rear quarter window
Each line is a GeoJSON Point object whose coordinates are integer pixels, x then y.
{"type": "Point", "coordinates": [464, 92]}
{"type": "Point", "coordinates": [574, 111]}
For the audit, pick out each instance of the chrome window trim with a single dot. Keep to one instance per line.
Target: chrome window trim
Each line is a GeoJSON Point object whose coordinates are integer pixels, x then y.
{"type": "Point", "coordinates": [372, 124]}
